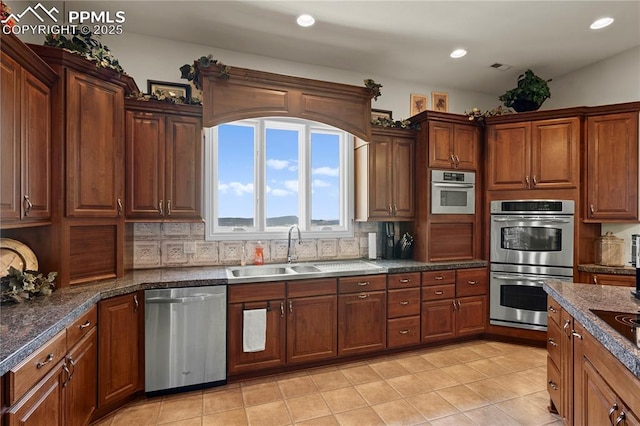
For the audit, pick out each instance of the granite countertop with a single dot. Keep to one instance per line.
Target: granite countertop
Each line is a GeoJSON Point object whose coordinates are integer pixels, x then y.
{"type": "Point", "coordinates": [600, 269]}
{"type": "Point", "coordinates": [577, 299]}
{"type": "Point", "coordinates": [25, 327]}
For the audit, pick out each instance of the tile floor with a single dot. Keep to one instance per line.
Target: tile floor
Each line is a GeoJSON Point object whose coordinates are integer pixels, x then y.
{"type": "Point", "coordinates": [473, 383]}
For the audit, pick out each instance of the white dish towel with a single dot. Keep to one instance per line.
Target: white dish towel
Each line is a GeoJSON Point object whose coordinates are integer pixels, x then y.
{"type": "Point", "coordinates": [254, 330]}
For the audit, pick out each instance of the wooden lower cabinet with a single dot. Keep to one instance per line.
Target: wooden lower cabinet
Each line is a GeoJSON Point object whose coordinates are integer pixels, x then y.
{"type": "Point", "coordinates": [472, 313]}
{"type": "Point", "coordinates": [438, 320]}
{"type": "Point", "coordinates": [120, 349]}
{"type": "Point", "coordinates": [312, 331]}
{"type": "Point", "coordinates": [362, 323]}
{"type": "Point", "coordinates": [42, 406]}
{"type": "Point", "coordinates": [612, 279]}
{"type": "Point", "coordinates": [81, 387]}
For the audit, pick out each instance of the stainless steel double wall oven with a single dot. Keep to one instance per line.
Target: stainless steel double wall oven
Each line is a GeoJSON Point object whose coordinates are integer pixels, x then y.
{"type": "Point", "coordinates": [531, 241]}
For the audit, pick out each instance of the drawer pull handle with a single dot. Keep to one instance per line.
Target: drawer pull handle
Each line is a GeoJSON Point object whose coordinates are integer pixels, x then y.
{"type": "Point", "coordinates": [578, 335]}
{"type": "Point", "coordinates": [620, 418]}
{"type": "Point", "coordinates": [438, 277]}
{"type": "Point", "coordinates": [27, 205]}
{"type": "Point", "coordinates": [404, 280]}
{"type": "Point", "coordinates": [363, 283]}
{"type": "Point", "coordinates": [66, 370]}
{"type": "Point", "coordinates": [85, 325]}
{"type": "Point", "coordinates": [404, 331]}
{"type": "Point", "coordinates": [552, 343]}
{"type": "Point", "coordinates": [472, 282]}
{"type": "Point", "coordinates": [45, 362]}
{"type": "Point", "coordinates": [439, 292]}
{"type": "Point", "coordinates": [552, 385]}
{"type": "Point", "coordinates": [363, 296]}
{"type": "Point", "coordinates": [612, 410]}
{"type": "Point", "coordinates": [553, 310]}
{"type": "Point", "coordinates": [404, 302]}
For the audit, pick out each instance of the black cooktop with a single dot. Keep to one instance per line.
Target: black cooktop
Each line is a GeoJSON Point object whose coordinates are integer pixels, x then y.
{"type": "Point", "coordinates": [625, 323]}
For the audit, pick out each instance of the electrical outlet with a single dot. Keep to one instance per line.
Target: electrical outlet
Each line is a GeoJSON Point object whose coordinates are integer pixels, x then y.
{"type": "Point", "coordinates": [189, 247]}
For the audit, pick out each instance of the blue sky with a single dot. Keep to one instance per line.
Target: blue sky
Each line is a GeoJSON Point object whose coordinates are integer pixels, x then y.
{"type": "Point", "coordinates": [236, 173]}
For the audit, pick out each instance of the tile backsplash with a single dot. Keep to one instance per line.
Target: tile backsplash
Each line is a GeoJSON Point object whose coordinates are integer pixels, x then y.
{"type": "Point", "coordinates": [159, 245]}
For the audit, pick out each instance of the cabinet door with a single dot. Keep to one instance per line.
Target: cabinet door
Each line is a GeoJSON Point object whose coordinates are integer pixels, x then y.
{"type": "Point", "coordinates": [183, 167]}
{"type": "Point", "coordinates": [508, 154]}
{"type": "Point", "coordinates": [82, 385]}
{"type": "Point", "coordinates": [36, 147]}
{"type": "Point", "coordinates": [612, 167]}
{"type": "Point", "coordinates": [380, 183]}
{"type": "Point", "coordinates": [611, 279]}
{"type": "Point", "coordinates": [466, 140]}
{"type": "Point", "coordinates": [555, 153]}
{"type": "Point", "coordinates": [10, 190]}
{"type": "Point", "coordinates": [118, 355]}
{"type": "Point", "coordinates": [441, 145]}
{"type": "Point", "coordinates": [42, 405]}
{"type": "Point", "coordinates": [312, 328]}
{"type": "Point", "coordinates": [275, 345]}
{"type": "Point", "coordinates": [94, 147]}
{"type": "Point", "coordinates": [362, 325]}
{"type": "Point", "coordinates": [145, 164]}
{"type": "Point", "coordinates": [438, 320]}
{"type": "Point", "coordinates": [472, 315]}
{"type": "Point", "coordinates": [597, 397]}
{"type": "Point", "coordinates": [403, 178]}
{"type": "Point", "coordinates": [566, 367]}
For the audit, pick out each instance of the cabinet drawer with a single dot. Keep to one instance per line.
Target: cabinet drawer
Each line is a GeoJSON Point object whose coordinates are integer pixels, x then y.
{"type": "Point", "coordinates": [403, 331]}
{"type": "Point", "coordinates": [362, 283]}
{"type": "Point", "coordinates": [82, 326]}
{"type": "Point", "coordinates": [26, 374]}
{"type": "Point", "coordinates": [553, 309]}
{"type": "Point", "coordinates": [239, 293]}
{"type": "Point", "coordinates": [439, 277]}
{"type": "Point", "coordinates": [553, 383]}
{"type": "Point", "coordinates": [403, 303]}
{"type": "Point", "coordinates": [471, 282]}
{"type": "Point", "coordinates": [404, 280]}
{"type": "Point", "coordinates": [437, 292]}
{"type": "Point", "coordinates": [311, 287]}
{"type": "Point", "coordinates": [553, 342]}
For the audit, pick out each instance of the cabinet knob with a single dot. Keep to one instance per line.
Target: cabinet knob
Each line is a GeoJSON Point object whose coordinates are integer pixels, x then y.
{"type": "Point", "coordinates": [27, 205]}
{"type": "Point", "coordinates": [552, 385]}
{"type": "Point", "coordinates": [553, 310]}
{"type": "Point", "coordinates": [552, 343]}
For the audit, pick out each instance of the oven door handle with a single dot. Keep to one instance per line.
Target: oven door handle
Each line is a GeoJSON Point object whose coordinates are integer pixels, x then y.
{"type": "Point", "coordinates": [452, 185]}
{"type": "Point", "coordinates": [511, 278]}
{"type": "Point", "coordinates": [530, 219]}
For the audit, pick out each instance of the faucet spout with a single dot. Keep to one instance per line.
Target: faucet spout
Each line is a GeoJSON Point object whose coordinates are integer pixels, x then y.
{"type": "Point", "coordinates": [290, 256]}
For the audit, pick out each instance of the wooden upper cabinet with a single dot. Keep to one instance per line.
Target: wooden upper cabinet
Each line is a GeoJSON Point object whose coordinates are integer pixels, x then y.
{"type": "Point", "coordinates": [385, 176]}
{"type": "Point", "coordinates": [95, 147]}
{"type": "Point", "coordinates": [164, 161]}
{"type": "Point", "coordinates": [25, 163]}
{"type": "Point", "coordinates": [612, 167]}
{"type": "Point", "coordinates": [453, 146]}
{"type": "Point", "coordinates": [542, 154]}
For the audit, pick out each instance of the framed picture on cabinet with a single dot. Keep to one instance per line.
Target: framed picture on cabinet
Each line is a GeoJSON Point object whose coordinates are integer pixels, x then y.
{"type": "Point", "coordinates": [419, 103]}
{"type": "Point", "coordinates": [440, 101]}
{"type": "Point", "coordinates": [381, 114]}
{"type": "Point", "coordinates": [166, 89]}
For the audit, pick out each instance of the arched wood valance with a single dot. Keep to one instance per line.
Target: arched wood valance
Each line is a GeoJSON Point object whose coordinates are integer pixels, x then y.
{"type": "Point", "coordinates": [250, 94]}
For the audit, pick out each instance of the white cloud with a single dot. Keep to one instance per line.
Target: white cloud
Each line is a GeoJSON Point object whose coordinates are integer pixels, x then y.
{"type": "Point", "coordinates": [280, 193]}
{"type": "Point", "coordinates": [237, 188]}
{"type": "Point", "coordinates": [326, 171]}
{"type": "Point", "coordinates": [277, 164]}
{"type": "Point", "coordinates": [293, 168]}
{"type": "Point", "coordinates": [291, 185]}
{"type": "Point", "coordinates": [319, 183]}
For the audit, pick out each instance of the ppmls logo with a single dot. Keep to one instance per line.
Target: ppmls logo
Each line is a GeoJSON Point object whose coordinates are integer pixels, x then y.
{"type": "Point", "coordinates": [34, 11]}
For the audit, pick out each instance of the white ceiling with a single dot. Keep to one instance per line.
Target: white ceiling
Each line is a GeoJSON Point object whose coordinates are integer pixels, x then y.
{"type": "Point", "coordinates": [407, 40]}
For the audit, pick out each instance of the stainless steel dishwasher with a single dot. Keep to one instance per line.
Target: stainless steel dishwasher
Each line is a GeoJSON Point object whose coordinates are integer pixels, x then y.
{"type": "Point", "coordinates": [185, 338]}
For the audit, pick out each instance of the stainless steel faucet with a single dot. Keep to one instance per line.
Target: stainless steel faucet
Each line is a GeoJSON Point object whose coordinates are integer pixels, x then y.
{"type": "Point", "coordinates": [290, 257]}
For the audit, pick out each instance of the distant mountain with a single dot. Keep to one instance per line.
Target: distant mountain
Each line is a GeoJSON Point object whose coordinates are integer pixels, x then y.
{"type": "Point", "coordinates": [273, 221]}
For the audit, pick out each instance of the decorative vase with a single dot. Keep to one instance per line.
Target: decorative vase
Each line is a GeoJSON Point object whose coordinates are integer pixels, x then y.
{"type": "Point", "coordinates": [523, 105]}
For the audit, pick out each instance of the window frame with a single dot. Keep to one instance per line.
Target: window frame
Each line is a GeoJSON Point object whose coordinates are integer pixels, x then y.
{"type": "Point", "coordinates": [305, 181]}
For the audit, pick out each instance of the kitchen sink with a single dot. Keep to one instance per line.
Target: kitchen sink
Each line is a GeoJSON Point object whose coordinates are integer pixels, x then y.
{"type": "Point", "coordinates": [259, 271]}
{"type": "Point", "coordinates": [305, 269]}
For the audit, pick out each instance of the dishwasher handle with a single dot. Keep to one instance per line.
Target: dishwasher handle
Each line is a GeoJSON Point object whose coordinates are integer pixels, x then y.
{"type": "Point", "coordinates": [190, 299]}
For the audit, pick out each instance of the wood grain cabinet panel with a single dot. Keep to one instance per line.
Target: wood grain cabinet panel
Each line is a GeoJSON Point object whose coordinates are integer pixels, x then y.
{"type": "Point", "coordinates": [612, 279]}
{"type": "Point", "coordinates": [453, 146]}
{"type": "Point", "coordinates": [312, 328]}
{"type": "Point", "coordinates": [43, 405]}
{"type": "Point", "coordinates": [362, 323]}
{"type": "Point", "coordinates": [612, 167]}
{"type": "Point", "coordinates": [81, 388]}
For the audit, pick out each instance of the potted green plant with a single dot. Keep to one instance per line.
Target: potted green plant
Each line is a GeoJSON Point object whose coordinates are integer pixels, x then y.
{"type": "Point", "coordinates": [529, 94]}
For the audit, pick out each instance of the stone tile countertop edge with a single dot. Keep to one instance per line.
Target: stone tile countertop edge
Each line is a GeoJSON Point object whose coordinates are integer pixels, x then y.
{"type": "Point", "coordinates": [614, 270]}
{"type": "Point", "coordinates": [577, 299]}
{"type": "Point", "coordinates": [27, 326]}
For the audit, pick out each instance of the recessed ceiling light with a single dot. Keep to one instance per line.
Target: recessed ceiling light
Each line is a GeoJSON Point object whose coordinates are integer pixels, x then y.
{"type": "Point", "coordinates": [601, 23]}
{"type": "Point", "coordinates": [458, 53]}
{"type": "Point", "coordinates": [305, 20]}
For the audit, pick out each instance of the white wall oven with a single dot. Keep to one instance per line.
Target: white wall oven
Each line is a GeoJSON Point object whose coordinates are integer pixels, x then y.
{"type": "Point", "coordinates": [531, 241]}
{"type": "Point", "coordinates": [453, 192]}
